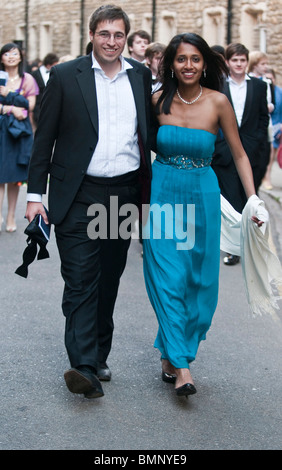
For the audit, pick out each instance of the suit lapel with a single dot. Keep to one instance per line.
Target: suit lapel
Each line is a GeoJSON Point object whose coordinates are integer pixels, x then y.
{"type": "Point", "coordinates": [226, 91]}
{"type": "Point", "coordinates": [136, 81]}
{"type": "Point", "coordinates": [86, 81]}
{"type": "Point", "coordinates": [249, 99]}
{"type": "Point", "coordinates": [39, 79]}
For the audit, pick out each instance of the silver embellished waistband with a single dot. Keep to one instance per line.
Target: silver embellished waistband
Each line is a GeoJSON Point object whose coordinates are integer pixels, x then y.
{"type": "Point", "coordinates": [184, 162]}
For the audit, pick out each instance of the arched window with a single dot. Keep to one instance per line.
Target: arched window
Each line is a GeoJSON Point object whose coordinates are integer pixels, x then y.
{"type": "Point", "coordinates": [214, 25]}
{"type": "Point", "coordinates": [46, 39]}
{"type": "Point", "coordinates": [167, 26]}
{"type": "Point", "coordinates": [147, 22]}
{"type": "Point", "coordinates": [33, 42]}
{"type": "Point", "coordinates": [252, 28]}
{"type": "Point", "coordinates": [75, 39]}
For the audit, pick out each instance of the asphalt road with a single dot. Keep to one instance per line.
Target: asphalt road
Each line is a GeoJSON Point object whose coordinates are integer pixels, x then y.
{"type": "Point", "coordinates": [237, 371]}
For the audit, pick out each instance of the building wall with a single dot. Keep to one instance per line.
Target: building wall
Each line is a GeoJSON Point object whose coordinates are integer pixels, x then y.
{"type": "Point", "coordinates": [55, 25]}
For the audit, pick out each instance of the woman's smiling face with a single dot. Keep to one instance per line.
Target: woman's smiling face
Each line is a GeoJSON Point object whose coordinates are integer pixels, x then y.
{"type": "Point", "coordinates": [188, 64]}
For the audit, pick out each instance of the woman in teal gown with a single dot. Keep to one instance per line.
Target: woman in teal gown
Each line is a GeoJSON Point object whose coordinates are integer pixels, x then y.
{"type": "Point", "coordinates": [181, 237]}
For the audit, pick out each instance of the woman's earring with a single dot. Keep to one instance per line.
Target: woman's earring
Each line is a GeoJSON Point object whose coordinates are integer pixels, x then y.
{"type": "Point", "coordinates": [172, 74]}
{"type": "Point", "coordinates": [205, 73]}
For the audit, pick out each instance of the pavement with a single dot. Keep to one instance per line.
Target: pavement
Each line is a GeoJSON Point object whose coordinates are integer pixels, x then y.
{"type": "Point", "coordinates": [276, 180]}
{"type": "Point", "coordinates": [237, 372]}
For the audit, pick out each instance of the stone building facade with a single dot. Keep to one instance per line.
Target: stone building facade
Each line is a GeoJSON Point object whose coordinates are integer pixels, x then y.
{"type": "Point", "coordinates": [61, 26]}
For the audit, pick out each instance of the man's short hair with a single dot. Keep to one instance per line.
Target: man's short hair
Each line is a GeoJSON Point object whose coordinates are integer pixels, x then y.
{"type": "Point", "coordinates": [236, 48]}
{"type": "Point", "coordinates": [141, 33]}
{"type": "Point", "coordinates": [108, 13]}
{"type": "Point", "coordinates": [153, 49]}
{"type": "Point", "coordinates": [255, 58]}
{"type": "Point", "coordinates": [50, 59]}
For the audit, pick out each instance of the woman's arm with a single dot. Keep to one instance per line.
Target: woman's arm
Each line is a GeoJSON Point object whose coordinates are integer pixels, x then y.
{"type": "Point", "coordinates": [17, 104]}
{"type": "Point", "coordinates": [31, 101]}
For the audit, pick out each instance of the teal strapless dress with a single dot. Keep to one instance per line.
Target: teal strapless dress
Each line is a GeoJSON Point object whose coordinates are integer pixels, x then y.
{"type": "Point", "coordinates": [181, 241]}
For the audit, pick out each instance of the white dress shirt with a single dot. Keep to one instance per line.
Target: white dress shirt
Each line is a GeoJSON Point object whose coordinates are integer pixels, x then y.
{"type": "Point", "coordinates": [45, 73]}
{"type": "Point", "coordinates": [117, 151]}
{"type": "Point", "coordinates": [238, 93]}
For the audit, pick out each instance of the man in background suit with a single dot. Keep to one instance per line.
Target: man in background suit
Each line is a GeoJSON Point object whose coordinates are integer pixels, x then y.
{"type": "Point", "coordinates": [41, 76]}
{"type": "Point", "coordinates": [248, 98]}
{"type": "Point", "coordinates": [92, 138]}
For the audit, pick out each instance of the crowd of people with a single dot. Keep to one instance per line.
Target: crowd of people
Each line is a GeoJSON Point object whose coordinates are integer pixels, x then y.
{"type": "Point", "coordinates": [21, 91]}
{"type": "Point", "coordinates": [101, 116]}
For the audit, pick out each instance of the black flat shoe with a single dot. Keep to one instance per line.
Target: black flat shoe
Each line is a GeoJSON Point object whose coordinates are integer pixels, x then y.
{"type": "Point", "coordinates": [185, 390]}
{"type": "Point", "coordinates": [169, 378]}
{"type": "Point", "coordinates": [230, 260]}
{"type": "Point", "coordinates": [83, 381]}
{"type": "Point", "coordinates": [103, 372]}
{"type": "Point", "coordinates": [94, 393]}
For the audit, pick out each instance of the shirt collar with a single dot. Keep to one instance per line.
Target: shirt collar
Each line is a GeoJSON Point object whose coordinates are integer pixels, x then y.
{"type": "Point", "coordinates": [230, 79]}
{"type": "Point", "coordinates": [124, 64]}
{"type": "Point", "coordinates": [43, 69]}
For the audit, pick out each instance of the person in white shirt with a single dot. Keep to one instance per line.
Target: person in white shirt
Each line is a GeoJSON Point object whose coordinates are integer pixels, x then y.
{"type": "Point", "coordinates": [93, 139]}
{"type": "Point", "coordinates": [258, 65]}
{"type": "Point", "coordinates": [248, 98]}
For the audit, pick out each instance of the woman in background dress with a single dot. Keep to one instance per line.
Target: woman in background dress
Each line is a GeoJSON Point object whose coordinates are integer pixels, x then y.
{"type": "Point", "coordinates": [18, 92]}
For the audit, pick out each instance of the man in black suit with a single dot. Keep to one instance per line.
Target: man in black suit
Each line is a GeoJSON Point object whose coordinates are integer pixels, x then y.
{"type": "Point", "coordinates": [248, 98]}
{"type": "Point", "coordinates": [93, 139]}
{"type": "Point", "coordinates": [41, 76]}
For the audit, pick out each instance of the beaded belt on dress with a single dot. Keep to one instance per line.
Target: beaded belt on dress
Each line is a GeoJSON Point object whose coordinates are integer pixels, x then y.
{"type": "Point", "coordinates": [183, 162]}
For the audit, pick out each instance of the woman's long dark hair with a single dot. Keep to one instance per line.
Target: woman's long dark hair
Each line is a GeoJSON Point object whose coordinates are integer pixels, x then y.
{"type": "Point", "coordinates": [215, 68]}
{"type": "Point", "coordinates": [7, 48]}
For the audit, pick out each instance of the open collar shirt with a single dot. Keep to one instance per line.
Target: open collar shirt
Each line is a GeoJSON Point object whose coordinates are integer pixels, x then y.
{"type": "Point", "coordinates": [238, 93]}
{"type": "Point", "coordinates": [117, 151]}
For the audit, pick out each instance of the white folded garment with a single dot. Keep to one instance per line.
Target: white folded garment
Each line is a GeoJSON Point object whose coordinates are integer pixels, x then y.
{"type": "Point", "coordinates": [241, 236]}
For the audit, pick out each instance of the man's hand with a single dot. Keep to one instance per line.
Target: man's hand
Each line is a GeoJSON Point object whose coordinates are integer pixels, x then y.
{"type": "Point", "coordinates": [34, 208]}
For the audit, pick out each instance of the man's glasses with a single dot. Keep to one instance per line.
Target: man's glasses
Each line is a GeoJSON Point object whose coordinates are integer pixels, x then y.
{"type": "Point", "coordinates": [106, 36]}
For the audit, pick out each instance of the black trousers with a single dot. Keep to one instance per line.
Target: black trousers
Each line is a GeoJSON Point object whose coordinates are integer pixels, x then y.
{"type": "Point", "coordinates": [92, 268]}
{"type": "Point", "coordinates": [230, 185]}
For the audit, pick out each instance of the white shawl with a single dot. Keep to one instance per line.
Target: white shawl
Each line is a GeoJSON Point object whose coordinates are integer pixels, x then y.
{"type": "Point", "coordinates": [261, 267]}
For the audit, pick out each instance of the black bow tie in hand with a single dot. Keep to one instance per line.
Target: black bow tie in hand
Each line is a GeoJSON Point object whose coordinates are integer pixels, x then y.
{"type": "Point", "coordinates": [38, 234]}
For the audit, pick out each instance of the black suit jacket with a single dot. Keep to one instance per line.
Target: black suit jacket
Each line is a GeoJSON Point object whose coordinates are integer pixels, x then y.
{"type": "Point", "coordinates": [41, 85]}
{"type": "Point", "coordinates": [68, 131]}
{"type": "Point", "coordinates": [254, 125]}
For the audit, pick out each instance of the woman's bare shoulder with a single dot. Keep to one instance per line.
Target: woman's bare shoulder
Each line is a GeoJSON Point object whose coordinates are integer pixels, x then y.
{"type": "Point", "coordinates": [215, 95]}
{"type": "Point", "coordinates": [219, 100]}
